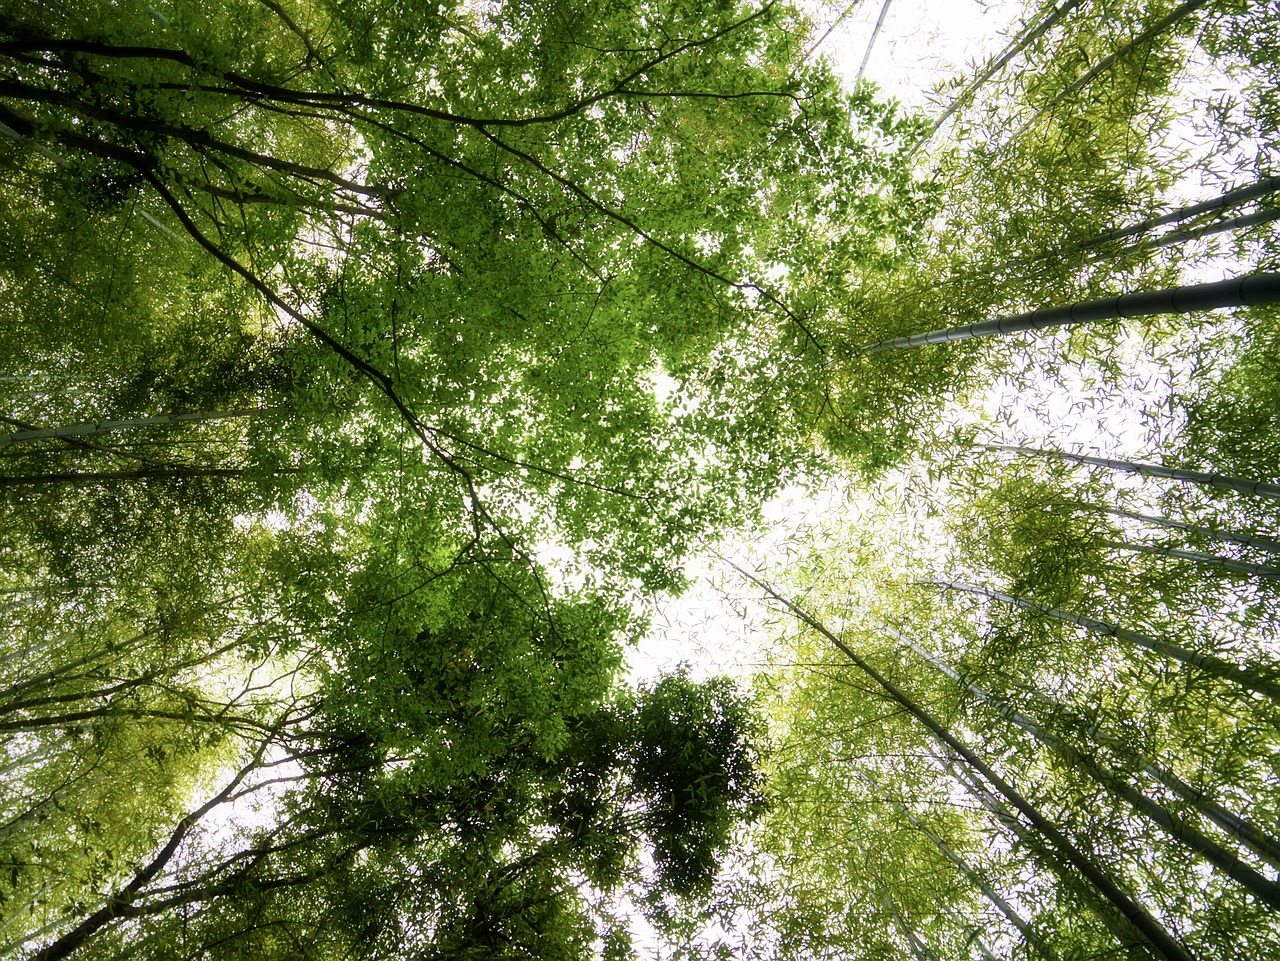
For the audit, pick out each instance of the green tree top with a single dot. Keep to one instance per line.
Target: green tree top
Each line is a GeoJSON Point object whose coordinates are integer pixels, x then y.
{"type": "Point", "coordinates": [503, 222]}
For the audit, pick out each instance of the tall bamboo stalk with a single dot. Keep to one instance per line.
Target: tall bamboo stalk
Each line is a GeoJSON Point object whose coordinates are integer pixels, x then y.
{"type": "Point", "coordinates": [1241, 485]}
{"type": "Point", "coordinates": [1220, 857]}
{"type": "Point", "coordinates": [1247, 291]}
{"type": "Point", "coordinates": [1151, 931]}
{"type": "Point", "coordinates": [82, 430]}
{"type": "Point", "coordinates": [1227, 563]}
{"type": "Point", "coordinates": [1230, 198]}
{"type": "Point", "coordinates": [1106, 63]}
{"type": "Point", "coordinates": [1246, 833]}
{"type": "Point", "coordinates": [1257, 541]}
{"type": "Point", "coordinates": [1216, 666]}
{"type": "Point", "coordinates": [1028, 36]}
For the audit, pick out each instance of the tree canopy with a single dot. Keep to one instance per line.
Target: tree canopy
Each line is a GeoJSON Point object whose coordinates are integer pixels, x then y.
{"type": "Point", "coordinates": [371, 373]}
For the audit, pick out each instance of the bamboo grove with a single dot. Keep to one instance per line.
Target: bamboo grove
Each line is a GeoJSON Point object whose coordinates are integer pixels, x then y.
{"type": "Point", "coordinates": [370, 373]}
{"type": "Point", "coordinates": [1026, 684]}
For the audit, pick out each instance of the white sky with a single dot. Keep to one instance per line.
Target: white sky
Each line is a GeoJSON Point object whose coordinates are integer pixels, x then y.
{"type": "Point", "coordinates": [921, 42]}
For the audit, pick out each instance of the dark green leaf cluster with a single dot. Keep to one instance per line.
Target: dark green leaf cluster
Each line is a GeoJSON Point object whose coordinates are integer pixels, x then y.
{"type": "Point", "coordinates": [689, 754]}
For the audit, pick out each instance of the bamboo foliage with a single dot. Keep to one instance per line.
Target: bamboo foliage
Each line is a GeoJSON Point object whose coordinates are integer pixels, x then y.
{"type": "Point", "coordinates": [372, 373]}
{"type": "Point", "coordinates": [1146, 929]}
{"type": "Point", "coordinates": [1140, 755]}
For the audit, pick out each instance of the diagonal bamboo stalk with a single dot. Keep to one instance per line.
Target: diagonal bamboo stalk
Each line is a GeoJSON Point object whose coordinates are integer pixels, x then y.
{"type": "Point", "coordinates": [1210, 664]}
{"type": "Point", "coordinates": [1241, 485]}
{"type": "Point", "coordinates": [1147, 927]}
{"type": "Point", "coordinates": [1247, 291]}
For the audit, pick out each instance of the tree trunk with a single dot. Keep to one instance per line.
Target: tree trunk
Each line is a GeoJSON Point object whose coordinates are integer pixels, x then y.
{"type": "Point", "coordinates": [1264, 845]}
{"type": "Point", "coordinates": [1228, 563]}
{"type": "Point", "coordinates": [1223, 670]}
{"type": "Point", "coordinates": [990, 893]}
{"type": "Point", "coordinates": [1119, 926]}
{"type": "Point", "coordinates": [1257, 541]}
{"type": "Point", "coordinates": [875, 35]}
{"type": "Point", "coordinates": [1151, 931]}
{"type": "Point", "coordinates": [1247, 834]}
{"type": "Point", "coordinates": [1247, 291]}
{"type": "Point", "coordinates": [15, 764]}
{"type": "Point", "coordinates": [1240, 485]}
{"type": "Point", "coordinates": [983, 950]}
{"type": "Point", "coordinates": [121, 902]}
{"type": "Point", "coordinates": [1024, 40]}
{"type": "Point", "coordinates": [919, 950]}
{"type": "Point", "coordinates": [81, 430]}
{"type": "Point", "coordinates": [89, 478]}
{"type": "Point", "coordinates": [1106, 63]}
{"type": "Point", "coordinates": [1231, 198]}
{"type": "Point", "coordinates": [1265, 891]}
{"type": "Point", "coordinates": [1258, 217]}
{"type": "Point", "coordinates": [110, 650]}
{"type": "Point", "coordinates": [849, 8]}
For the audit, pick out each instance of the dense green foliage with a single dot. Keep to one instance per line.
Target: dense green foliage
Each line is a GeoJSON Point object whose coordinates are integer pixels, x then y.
{"type": "Point", "coordinates": [369, 372]}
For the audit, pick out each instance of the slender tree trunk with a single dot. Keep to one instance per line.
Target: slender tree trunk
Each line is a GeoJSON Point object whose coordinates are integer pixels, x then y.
{"type": "Point", "coordinates": [1227, 563]}
{"type": "Point", "coordinates": [1004, 907]}
{"type": "Point", "coordinates": [121, 902]}
{"type": "Point", "coordinates": [82, 430]}
{"type": "Point", "coordinates": [1265, 891]}
{"type": "Point", "coordinates": [111, 650]}
{"type": "Point", "coordinates": [23, 761]}
{"type": "Point", "coordinates": [976, 936]}
{"type": "Point", "coordinates": [1240, 485]}
{"type": "Point", "coordinates": [1256, 541]}
{"type": "Point", "coordinates": [1119, 926]}
{"type": "Point", "coordinates": [1143, 923]}
{"type": "Point", "coordinates": [82, 444]}
{"type": "Point", "coordinates": [1247, 291]}
{"type": "Point", "coordinates": [919, 950]}
{"type": "Point", "coordinates": [1106, 63]}
{"type": "Point", "coordinates": [172, 669]}
{"type": "Point", "coordinates": [218, 716]}
{"type": "Point", "coordinates": [1231, 198]}
{"type": "Point", "coordinates": [1216, 666]}
{"type": "Point", "coordinates": [89, 478]}
{"type": "Point", "coordinates": [1246, 833]}
{"type": "Point", "coordinates": [1028, 36]}
{"type": "Point", "coordinates": [1255, 219]}
{"type": "Point", "coordinates": [875, 35]}
{"type": "Point", "coordinates": [27, 651]}
{"type": "Point", "coordinates": [17, 910]}
{"type": "Point", "coordinates": [1258, 841]}
{"type": "Point", "coordinates": [34, 592]}
{"type": "Point", "coordinates": [831, 29]}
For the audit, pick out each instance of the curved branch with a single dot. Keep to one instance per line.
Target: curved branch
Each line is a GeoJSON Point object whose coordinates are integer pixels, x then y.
{"type": "Point", "coordinates": [39, 42]}
{"type": "Point", "coordinates": [120, 904]}
{"type": "Point", "coordinates": [650, 238]}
